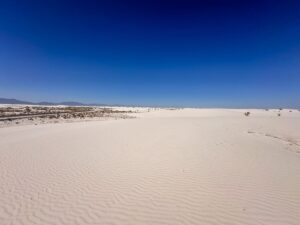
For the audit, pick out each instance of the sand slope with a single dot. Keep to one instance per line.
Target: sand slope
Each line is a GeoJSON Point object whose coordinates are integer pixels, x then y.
{"type": "Point", "coordinates": [165, 167]}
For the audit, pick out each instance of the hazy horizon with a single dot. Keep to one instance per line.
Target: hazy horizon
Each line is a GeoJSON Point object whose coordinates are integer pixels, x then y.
{"type": "Point", "coordinates": [226, 54]}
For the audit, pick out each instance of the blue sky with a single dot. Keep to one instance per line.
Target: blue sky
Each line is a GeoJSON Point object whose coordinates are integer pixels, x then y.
{"type": "Point", "coordinates": [213, 53]}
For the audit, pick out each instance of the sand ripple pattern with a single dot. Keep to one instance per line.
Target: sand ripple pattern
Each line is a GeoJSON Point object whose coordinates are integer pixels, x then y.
{"type": "Point", "coordinates": [146, 171]}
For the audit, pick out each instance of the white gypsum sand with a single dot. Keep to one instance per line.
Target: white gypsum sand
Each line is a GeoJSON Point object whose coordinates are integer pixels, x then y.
{"type": "Point", "coordinates": [188, 166]}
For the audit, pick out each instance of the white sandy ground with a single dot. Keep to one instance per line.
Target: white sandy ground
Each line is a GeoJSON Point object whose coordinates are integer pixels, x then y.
{"type": "Point", "coordinates": [206, 166]}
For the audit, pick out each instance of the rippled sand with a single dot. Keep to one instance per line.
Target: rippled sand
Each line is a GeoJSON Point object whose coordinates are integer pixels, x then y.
{"type": "Point", "coordinates": [208, 166]}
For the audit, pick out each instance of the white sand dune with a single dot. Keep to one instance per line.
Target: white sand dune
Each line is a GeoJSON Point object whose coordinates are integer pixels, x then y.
{"type": "Point", "coordinates": [208, 166]}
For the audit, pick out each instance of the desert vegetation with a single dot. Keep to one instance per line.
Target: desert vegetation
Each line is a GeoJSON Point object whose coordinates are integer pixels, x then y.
{"type": "Point", "coordinates": [247, 113]}
{"type": "Point", "coordinates": [50, 114]}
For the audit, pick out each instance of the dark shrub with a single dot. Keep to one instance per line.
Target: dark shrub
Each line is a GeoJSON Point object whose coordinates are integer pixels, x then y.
{"type": "Point", "coordinates": [247, 113]}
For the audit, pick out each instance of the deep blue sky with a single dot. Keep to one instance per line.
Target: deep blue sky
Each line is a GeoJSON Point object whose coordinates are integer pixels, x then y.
{"type": "Point", "coordinates": [213, 53]}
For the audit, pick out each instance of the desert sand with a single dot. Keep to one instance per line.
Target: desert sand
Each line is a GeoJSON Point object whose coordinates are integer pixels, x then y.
{"type": "Point", "coordinates": [187, 166]}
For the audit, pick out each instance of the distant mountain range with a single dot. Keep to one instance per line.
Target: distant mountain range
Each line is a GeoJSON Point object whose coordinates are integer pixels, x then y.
{"type": "Point", "coordinates": [16, 101]}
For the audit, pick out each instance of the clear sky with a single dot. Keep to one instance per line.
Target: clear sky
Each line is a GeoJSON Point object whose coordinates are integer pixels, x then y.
{"type": "Point", "coordinates": [213, 53]}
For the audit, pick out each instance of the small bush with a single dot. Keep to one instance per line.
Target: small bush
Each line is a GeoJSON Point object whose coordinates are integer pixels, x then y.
{"type": "Point", "coordinates": [247, 113]}
{"type": "Point", "coordinates": [27, 109]}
